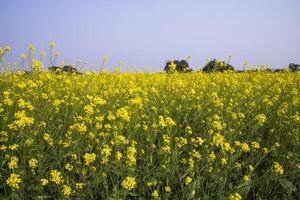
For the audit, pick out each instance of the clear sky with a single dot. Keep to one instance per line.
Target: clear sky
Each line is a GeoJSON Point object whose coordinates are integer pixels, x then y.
{"type": "Point", "coordinates": [146, 33]}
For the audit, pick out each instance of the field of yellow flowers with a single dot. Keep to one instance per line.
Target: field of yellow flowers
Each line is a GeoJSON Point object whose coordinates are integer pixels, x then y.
{"type": "Point", "coordinates": [150, 136]}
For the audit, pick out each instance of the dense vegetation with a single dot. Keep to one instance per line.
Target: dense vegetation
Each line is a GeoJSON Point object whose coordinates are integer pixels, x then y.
{"type": "Point", "coordinates": [149, 136]}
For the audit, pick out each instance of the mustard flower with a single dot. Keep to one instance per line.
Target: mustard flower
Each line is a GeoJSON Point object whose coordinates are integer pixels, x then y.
{"type": "Point", "coordinates": [129, 183]}
{"type": "Point", "coordinates": [13, 181]}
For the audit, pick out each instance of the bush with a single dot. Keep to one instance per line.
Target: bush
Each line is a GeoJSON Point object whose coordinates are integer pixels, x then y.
{"type": "Point", "coordinates": [294, 67]}
{"type": "Point", "coordinates": [217, 66]}
{"type": "Point", "coordinates": [66, 68]}
{"type": "Point", "coordinates": [177, 66]}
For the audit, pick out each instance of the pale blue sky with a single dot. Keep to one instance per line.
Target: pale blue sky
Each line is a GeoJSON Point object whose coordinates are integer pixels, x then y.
{"type": "Point", "coordinates": [150, 32]}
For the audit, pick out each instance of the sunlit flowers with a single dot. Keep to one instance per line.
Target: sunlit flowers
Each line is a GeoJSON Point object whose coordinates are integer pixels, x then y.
{"type": "Point", "coordinates": [44, 182]}
{"type": "Point", "coordinates": [235, 196]}
{"type": "Point", "coordinates": [23, 56]}
{"type": "Point", "coordinates": [67, 190]}
{"type": "Point", "coordinates": [33, 163]}
{"type": "Point", "coordinates": [52, 44]}
{"type": "Point", "coordinates": [129, 183]}
{"type": "Point", "coordinates": [36, 64]}
{"type": "Point", "coordinates": [156, 136]}
{"type": "Point", "coordinates": [155, 194]}
{"type": "Point", "coordinates": [245, 147]}
{"type": "Point", "coordinates": [168, 189]}
{"type": "Point", "coordinates": [13, 181]}
{"type": "Point", "coordinates": [89, 158]}
{"type": "Point", "coordinates": [261, 118]}
{"type": "Point", "coordinates": [56, 177]}
{"type": "Point", "coordinates": [188, 180]}
{"type": "Point", "coordinates": [278, 169]}
{"type": "Point", "coordinates": [13, 163]}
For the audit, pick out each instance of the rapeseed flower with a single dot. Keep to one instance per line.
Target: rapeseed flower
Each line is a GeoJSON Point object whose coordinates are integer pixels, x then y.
{"type": "Point", "coordinates": [235, 196]}
{"type": "Point", "coordinates": [89, 158]}
{"type": "Point", "coordinates": [13, 181]}
{"type": "Point", "coordinates": [129, 183]}
{"type": "Point", "coordinates": [56, 177]}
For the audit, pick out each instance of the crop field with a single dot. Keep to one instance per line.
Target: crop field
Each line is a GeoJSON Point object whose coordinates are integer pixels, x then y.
{"type": "Point", "coordinates": [150, 136]}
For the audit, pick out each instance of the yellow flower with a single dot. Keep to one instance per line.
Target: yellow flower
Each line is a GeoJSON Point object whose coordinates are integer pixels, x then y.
{"type": "Point", "coordinates": [118, 155]}
{"type": "Point", "coordinates": [223, 161]}
{"type": "Point", "coordinates": [246, 178]}
{"type": "Point", "coordinates": [166, 149]}
{"type": "Point", "coordinates": [211, 157]}
{"type": "Point", "coordinates": [105, 152]}
{"type": "Point", "coordinates": [13, 181]}
{"type": "Point", "coordinates": [14, 147]}
{"type": "Point", "coordinates": [67, 190]}
{"type": "Point", "coordinates": [52, 44]}
{"type": "Point", "coordinates": [23, 56]}
{"type": "Point", "coordinates": [79, 185]}
{"type": "Point", "coordinates": [172, 67]}
{"type": "Point", "coordinates": [36, 64]}
{"type": "Point", "coordinates": [245, 147]}
{"type": "Point", "coordinates": [217, 125]}
{"type": "Point", "coordinates": [31, 47]}
{"type": "Point", "coordinates": [129, 183]}
{"type": "Point", "coordinates": [251, 168]}
{"type": "Point", "coordinates": [170, 122]}
{"type": "Point", "coordinates": [181, 141]}
{"type": "Point", "coordinates": [89, 158]}
{"type": "Point", "coordinates": [168, 189]}
{"type": "Point", "coordinates": [43, 53]}
{"type": "Point", "coordinates": [218, 139]}
{"type": "Point", "coordinates": [44, 182]}
{"type": "Point", "coordinates": [188, 180]}
{"type": "Point", "coordinates": [261, 118]}
{"type": "Point", "coordinates": [33, 163]}
{"type": "Point", "coordinates": [7, 48]}
{"type": "Point", "coordinates": [155, 194]}
{"type": "Point", "coordinates": [69, 167]}
{"type": "Point", "coordinates": [123, 114]}
{"type": "Point", "coordinates": [149, 184]}
{"type": "Point", "coordinates": [193, 192]}
{"type": "Point", "coordinates": [278, 168]}
{"type": "Point", "coordinates": [235, 196]}
{"type": "Point", "coordinates": [131, 153]}
{"type": "Point", "coordinates": [13, 164]}
{"type": "Point", "coordinates": [238, 166]}
{"type": "Point", "coordinates": [276, 144]}
{"type": "Point", "coordinates": [55, 176]}
{"type": "Point", "coordinates": [255, 145]}
{"type": "Point", "coordinates": [197, 141]}
{"type": "Point", "coordinates": [265, 150]}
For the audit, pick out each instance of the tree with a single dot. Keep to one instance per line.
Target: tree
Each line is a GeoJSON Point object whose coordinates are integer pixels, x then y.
{"type": "Point", "coordinates": [294, 67]}
{"type": "Point", "coordinates": [217, 66]}
{"type": "Point", "coordinates": [177, 66]}
{"type": "Point", "coordinates": [66, 68]}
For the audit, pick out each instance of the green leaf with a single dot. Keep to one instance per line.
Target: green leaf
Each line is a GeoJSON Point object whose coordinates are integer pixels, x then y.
{"type": "Point", "coordinates": [288, 185]}
{"type": "Point", "coordinates": [244, 189]}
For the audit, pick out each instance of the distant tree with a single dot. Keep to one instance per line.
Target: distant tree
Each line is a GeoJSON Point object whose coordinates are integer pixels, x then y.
{"type": "Point", "coordinates": [177, 66]}
{"type": "Point", "coordinates": [66, 68]}
{"type": "Point", "coordinates": [294, 67]}
{"type": "Point", "coordinates": [217, 66]}
{"type": "Point", "coordinates": [279, 70]}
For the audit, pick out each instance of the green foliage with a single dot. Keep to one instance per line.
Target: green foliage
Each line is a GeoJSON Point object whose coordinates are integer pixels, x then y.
{"type": "Point", "coordinates": [177, 66]}
{"type": "Point", "coordinates": [294, 67]}
{"type": "Point", "coordinates": [217, 66]}
{"type": "Point", "coordinates": [66, 68]}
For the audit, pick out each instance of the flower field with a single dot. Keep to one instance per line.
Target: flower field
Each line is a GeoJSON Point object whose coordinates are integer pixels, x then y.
{"type": "Point", "coordinates": [150, 136]}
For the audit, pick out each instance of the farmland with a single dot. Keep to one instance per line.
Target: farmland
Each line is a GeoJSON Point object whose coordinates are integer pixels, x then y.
{"type": "Point", "coordinates": [149, 135]}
